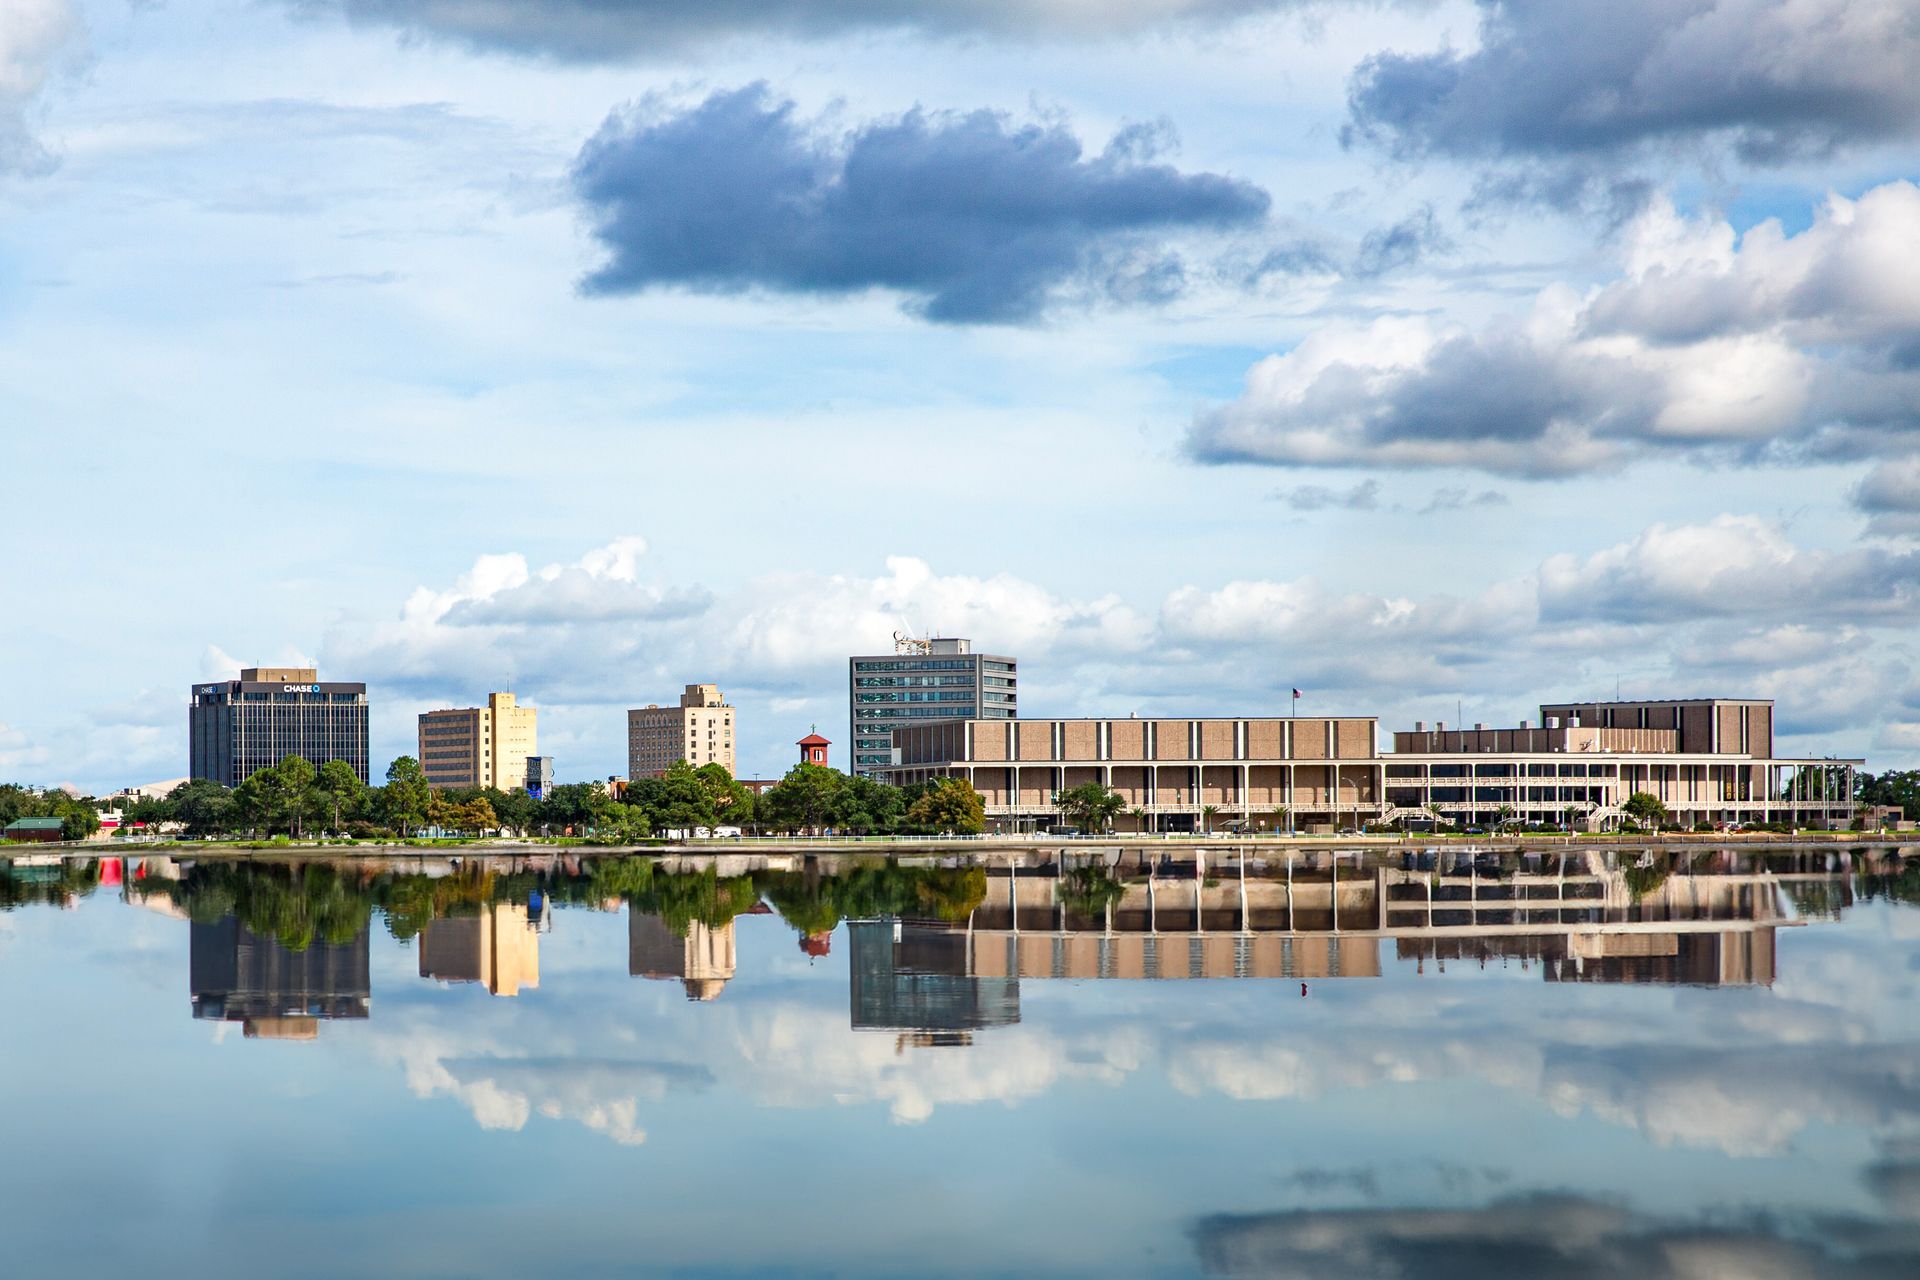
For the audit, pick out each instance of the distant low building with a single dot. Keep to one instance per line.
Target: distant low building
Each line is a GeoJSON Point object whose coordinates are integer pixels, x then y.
{"type": "Point", "coordinates": [33, 830]}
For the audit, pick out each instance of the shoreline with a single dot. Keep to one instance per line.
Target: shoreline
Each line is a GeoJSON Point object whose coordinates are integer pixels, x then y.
{"type": "Point", "coordinates": [985, 847]}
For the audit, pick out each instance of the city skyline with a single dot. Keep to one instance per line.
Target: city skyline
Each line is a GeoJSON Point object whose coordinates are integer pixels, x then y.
{"type": "Point", "coordinates": [1191, 352]}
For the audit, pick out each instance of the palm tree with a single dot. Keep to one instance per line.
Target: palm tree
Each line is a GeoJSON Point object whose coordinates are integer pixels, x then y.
{"type": "Point", "coordinates": [1208, 813]}
{"type": "Point", "coordinates": [1139, 816]}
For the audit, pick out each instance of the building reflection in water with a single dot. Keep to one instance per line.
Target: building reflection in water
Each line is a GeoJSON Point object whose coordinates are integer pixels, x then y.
{"type": "Point", "coordinates": [273, 991]}
{"type": "Point", "coordinates": [1580, 919]}
{"type": "Point", "coordinates": [703, 959]}
{"type": "Point", "coordinates": [920, 981]}
{"type": "Point", "coordinates": [498, 948]}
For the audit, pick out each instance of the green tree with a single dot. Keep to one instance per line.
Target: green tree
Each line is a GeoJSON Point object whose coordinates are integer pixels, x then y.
{"type": "Point", "coordinates": [404, 800]}
{"type": "Point", "coordinates": [286, 792]}
{"type": "Point", "coordinates": [78, 819]}
{"type": "Point", "coordinates": [340, 789]}
{"type": "Point", "coordinates": [1091, 806]}
{"type": "Point", "coordinates": [864, 806]}
{"type": "Point", "coordinates": [1208, 813]}
{"type": "Point", "coordinates": [804, 799]}
{"type": "Point", "coordinates": [1895, 787]}
{"type": "Point", "coordinates": [950, 805]}
{"type": "Point", "coordinates": [730, 803]}
{"type": "Point", "coordinates": [686, 802]}
{"type": "Point", "coordinates": [515, 808]}
{"type": "Point", "coordinates": [1645, 809]}
{"type": "Point", "coordinates": [203, 806]}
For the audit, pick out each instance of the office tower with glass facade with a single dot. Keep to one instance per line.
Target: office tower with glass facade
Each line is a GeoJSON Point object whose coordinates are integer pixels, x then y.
{"type": "Point", "coordinates": [237, 727]}
{"type": "Point", "coordinates": [938, 681]}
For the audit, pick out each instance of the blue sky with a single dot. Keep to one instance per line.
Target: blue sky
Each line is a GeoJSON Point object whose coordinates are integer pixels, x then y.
{"type": "Point", "coordinates": [1411, 354]}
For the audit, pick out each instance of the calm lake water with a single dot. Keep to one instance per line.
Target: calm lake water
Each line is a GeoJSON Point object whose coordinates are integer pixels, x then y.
{"type": "Point", "coordinates": [1422, 1067]}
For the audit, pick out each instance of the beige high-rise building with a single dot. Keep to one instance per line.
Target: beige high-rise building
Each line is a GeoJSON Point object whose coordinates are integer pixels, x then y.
{"type": "Point", "coordinates": [479, 746]}
{"type": "Point", "coordinates": [699, 731]}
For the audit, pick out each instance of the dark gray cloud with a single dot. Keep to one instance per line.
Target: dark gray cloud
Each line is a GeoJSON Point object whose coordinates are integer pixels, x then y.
{"type": "Point", "coordinates": [634, 30]}
{"type": "Point", "coordinates": [1400, 245]}
{"type": "Point", "coordinates": [1560, 79]}
{"type": "Point", "coordinates": [1890, 495]}
{"type": "Point", "coordinates": [975, 218]}
{"type": "Point", "coordinates": [1543, 1235]}
{"type": "Point", "coordinates": [1364, 496]}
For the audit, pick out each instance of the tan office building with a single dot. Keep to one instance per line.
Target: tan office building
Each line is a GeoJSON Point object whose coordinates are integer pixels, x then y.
{"type": "Point", "coordinates": [698, 731]}
{"type": "Point", "coordinates": [479, 746]}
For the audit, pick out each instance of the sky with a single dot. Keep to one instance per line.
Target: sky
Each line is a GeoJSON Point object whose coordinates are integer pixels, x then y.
{"type": "Point", "coordinates": [1436, 359]}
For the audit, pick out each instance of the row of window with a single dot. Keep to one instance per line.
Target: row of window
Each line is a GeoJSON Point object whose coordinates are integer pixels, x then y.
{"type": "Point", "coordinates": [908, 682]}
{"type": "Point", "coordinates": [917, 664]}
{"type": "Point", "coordinates": [906, 715]}
{"type": "Point", "coordinates": [910, 696]}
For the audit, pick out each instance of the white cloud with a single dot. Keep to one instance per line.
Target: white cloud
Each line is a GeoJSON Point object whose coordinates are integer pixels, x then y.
{"type": "Point", "coordinates": [17, 751]}
{"type": "Point", "coordinates": [1710, 344]}
{"type": "Point", "coordinates": [1730, 605]}
{"type": "Point", "coordinates": [35, 37]}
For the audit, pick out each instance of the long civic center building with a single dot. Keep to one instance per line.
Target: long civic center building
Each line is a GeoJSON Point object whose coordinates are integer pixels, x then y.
{"type": "Point", "coordinates": [1707, 759]}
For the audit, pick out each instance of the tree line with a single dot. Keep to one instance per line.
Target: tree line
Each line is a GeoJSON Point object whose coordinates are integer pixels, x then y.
{"type": "Point", "coordinates": [79, 818]}
{"type": "Point", "coordinates": [298, 800]}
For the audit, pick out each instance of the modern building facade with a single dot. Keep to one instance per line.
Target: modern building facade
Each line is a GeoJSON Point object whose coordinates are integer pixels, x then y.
{"type": "Point", "coordinates": [1708, 761]}
{"type": "Point", "coordinates": [539, 776]}
{"type": "Point", "coordinates": [699, 731]}
{"type": "Point", "coordinates": [939, 682]}
{"type": "Point", "coordinates": [479, 746]}
{"type": "Point", "coordinates": [238, 727]}
{"type": "Point", "coordinates": [1265, 772]}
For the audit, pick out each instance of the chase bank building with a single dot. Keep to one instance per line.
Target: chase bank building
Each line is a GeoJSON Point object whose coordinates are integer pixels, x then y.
{"type": "Point", "coordinates": [241, 726]}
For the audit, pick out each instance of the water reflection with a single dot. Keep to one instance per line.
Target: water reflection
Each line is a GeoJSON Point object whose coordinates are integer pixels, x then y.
{"type": "Point", "coordinates": [273, 990]}
{"type": "Point", "coordinates": [1603, 1065]}
{"type": "Point", "coordinates": [942, 948]}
